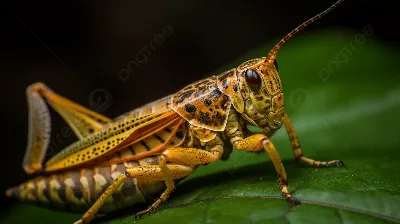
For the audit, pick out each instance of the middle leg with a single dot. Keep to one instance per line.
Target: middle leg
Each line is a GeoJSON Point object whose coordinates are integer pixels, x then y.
{"type": "Point", "coordinates": [298, 154]}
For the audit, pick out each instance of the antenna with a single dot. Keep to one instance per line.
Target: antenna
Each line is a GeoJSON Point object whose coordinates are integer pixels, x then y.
{"type": "Point", "coordinates": [272, 54]}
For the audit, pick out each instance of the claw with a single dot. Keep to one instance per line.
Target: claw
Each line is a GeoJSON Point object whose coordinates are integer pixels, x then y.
{"type": "Point", "coordinates": [139, 215]}
{"type": "Point", "coordinates": [294, 201]}
{"type": "Point", "coordinates": [289, 197]}
{"type": "Point", "coordinates": [339, 163]}
{"type": "Point", "coordinates": [149, 210]}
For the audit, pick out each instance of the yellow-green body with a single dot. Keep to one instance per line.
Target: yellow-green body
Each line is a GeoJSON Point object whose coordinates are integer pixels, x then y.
{"type": "Point", "coordinates": [75, 179]}
{"type": "Point", "coordinates": [138, 156]}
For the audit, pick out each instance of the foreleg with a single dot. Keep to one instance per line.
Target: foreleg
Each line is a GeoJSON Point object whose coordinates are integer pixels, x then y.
{"type": "Point", "coordinates": [258, 142]}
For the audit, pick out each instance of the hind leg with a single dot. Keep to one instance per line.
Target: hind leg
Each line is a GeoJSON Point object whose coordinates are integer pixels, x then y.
{"type": "Point", "coordinates": [152, 172]}
{"type": "Point", "coordinates": [81, 120]}
{"type": "Point", "coordinates": [167, 172]}
{"type": "Point", "coordinates": [189, 156]}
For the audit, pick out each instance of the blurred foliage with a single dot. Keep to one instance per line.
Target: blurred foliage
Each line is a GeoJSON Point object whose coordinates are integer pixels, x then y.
{"type": "Point", "coordinates": [350, 114]}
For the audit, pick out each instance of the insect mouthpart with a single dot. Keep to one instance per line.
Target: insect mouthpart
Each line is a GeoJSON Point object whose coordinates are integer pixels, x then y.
{"type": "Point", "coordinates": [263, 123]}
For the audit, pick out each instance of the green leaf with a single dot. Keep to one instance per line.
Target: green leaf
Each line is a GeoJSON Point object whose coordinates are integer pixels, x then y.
{"type": "Point", "coordinates": [348, 113]}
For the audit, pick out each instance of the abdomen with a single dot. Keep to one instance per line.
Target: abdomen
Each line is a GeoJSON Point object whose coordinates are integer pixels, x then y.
{"type": "Point", "coordinates": [77, 190]}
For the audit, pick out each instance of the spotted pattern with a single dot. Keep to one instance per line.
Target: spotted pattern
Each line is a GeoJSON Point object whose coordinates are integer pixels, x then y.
{"type": "Point", "coordinates": [148, 144]}
{"type": "Point", "coordinates": [266, 106]}
{"type": "Point", "coordinates": [272, 81]}
{"type": "Point", "coordinates": [113, 133]}
{"type": "Point", "coordinates": [103, 142]}
{"type": "Point", "coordinates": [244, 91]}
{"type": "Point", "coordinates": [203, 104]}
{"type": "Point", "coordinates": [227, 83]}
{"type": "Point", "coordinates": [278, 102]}
{"type": "Point", "coordinates": [203, 134]}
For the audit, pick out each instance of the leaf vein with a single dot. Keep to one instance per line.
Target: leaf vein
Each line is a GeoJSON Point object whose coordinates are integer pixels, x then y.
{"type": "Point", "coordinates": [378, 215]}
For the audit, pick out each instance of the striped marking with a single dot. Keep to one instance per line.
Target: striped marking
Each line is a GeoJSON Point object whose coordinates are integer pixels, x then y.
{"type": "Point", "coordinates": [162, 139]}
{"type": "Point", "coordinates": [41, 188]}
{"type": "Point", "coordinates": [87, 181]}
{"type": "Point", "coordinates": [56, 187]}
{"type": "Point", "coordinates": [77, 190]}
{"type": "Point", "coordinates": [159, 138]}
{"type": "Point", "coordinates": [144, 144]}
{"type": "Point", "coordinates": [131, 149]}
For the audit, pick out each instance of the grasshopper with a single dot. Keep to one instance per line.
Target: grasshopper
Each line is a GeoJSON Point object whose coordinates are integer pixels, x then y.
{"type": "Point", "coordinates": [137, 156]}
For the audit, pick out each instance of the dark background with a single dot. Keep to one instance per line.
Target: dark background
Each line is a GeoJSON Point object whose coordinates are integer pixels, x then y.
{"type": "Point", "coordinates": [79, 48]}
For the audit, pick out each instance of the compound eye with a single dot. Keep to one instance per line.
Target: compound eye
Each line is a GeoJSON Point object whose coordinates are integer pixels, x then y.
{"type": "Point", "coordinates": [276, 65]}
{"type": "Point", "coordinates": [253, 80]}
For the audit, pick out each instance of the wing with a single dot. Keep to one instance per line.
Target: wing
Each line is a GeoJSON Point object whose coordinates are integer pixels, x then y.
{"type": "Point", "coordinates": [117, 135]}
